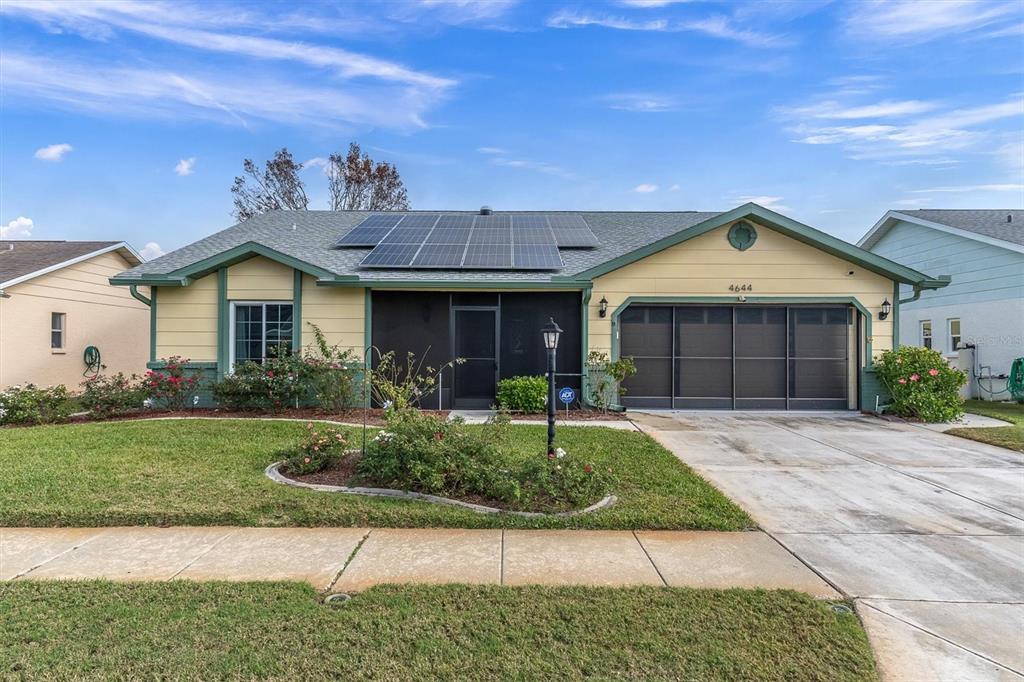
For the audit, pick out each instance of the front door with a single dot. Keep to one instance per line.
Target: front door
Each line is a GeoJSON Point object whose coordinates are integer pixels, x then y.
{"type": "Point", "coordinates": [475, 341]}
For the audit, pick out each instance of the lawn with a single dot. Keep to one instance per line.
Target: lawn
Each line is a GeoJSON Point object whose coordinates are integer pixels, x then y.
{"type": "Point", "coordinates": [210, 472]}
{"type": "Point", "coordinates": [1011, 437]}
{"type": "Point", "coordinates": [188, 630]}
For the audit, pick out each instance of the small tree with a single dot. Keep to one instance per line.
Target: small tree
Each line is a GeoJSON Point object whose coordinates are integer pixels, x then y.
{"type": "Point", "coordinates": [277, 186]}
{"type": "Point", "coordinates": [356, 183]}
{"type": "Point", "coordinates": [606, 378]}
{"type": "Point", "coordinates": [398, 386]}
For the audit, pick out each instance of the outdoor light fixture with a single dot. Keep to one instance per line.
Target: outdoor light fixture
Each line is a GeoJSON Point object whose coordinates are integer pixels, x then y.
{"type": "Point", "coordinates": [886, 307]}
{"type": "Point", "coordinates": [551, 332]}
{"type": "Point", "coordinates": [604, 307]}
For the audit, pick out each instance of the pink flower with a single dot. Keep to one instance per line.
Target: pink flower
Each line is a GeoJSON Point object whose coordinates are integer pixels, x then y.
{"type": "Point", "coordinates": [915, 377]}
{"type": "Point", "coordinates": [316, 448]}
{"type": "Point", "coordinates": [306, 460]}
{"type": "Point", "coordinates": [587, 468]}
{"type": "Point", "coordinates": [933, 372]}
{"type": "Point", "coordinates": [902, 380]}
{"type": "Point", "coordinates": [270, 374]}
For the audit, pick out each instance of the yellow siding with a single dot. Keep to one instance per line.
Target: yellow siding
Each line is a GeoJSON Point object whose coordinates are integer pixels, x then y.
{"type": "Point", "coordinates": [260, 279]}
{"type": "Point", "coordinates": [186, 320]}
{"type": "Point", "coordinates": [337, 311]}
{"type": "Point", "coordinates": [97, 314]}
{"type": "Point", "coordinates": [775, 265]}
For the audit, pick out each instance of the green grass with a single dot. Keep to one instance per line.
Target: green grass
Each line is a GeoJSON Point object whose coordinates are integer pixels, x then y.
{"type": "Point", "coordinates": [210, 472]}
{"type": "Point", "coordinates": [1011, 437]}
{"type": "Point", "coordinates": [188, 630]}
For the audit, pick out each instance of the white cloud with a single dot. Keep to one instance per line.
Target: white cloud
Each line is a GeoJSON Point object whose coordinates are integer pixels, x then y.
{"type": "Point", "coordinates": [921, 20]}
{"type": "Point", "coordinates": [185, 166]}
{"type": "Point", "coordinates": [645, 188]}
{"type": "Point", "coordinates": [647, 4]}
{"type": "Point", "coordinates": [20, 227]}
{"type": "Point", "coordinates": [640, 102]}
{"type": "Point", "coordinates": [572, 19]}
{"type": "Point", "coordinates": [215, 95]}
{"type": "Point", "coordinates": [537, 166]}
{"type": "Point", "coordinates": [151, 250]}
{"type": "Point", "coordinates": [1005, 187]}
{"type": "Point", "coordinates": [673, 188]}
{"type": "Point", "coordinates": [771, 203]}
{"type": "Point", "coordinates": [53, 152]}
{"type": "Point", "coordinates": [491, 150]}
{"type": "Point", "coordinates": [715, 26]}
{"type": "Point", "coordinates": [884, 109]}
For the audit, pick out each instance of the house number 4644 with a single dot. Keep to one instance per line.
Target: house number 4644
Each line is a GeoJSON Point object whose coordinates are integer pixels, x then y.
{"type": "Point", "coordinates": [741, 287]}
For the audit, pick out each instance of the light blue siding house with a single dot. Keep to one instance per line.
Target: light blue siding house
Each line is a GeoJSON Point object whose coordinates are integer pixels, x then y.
{"type": "Point", "coordinates": [983, 250]}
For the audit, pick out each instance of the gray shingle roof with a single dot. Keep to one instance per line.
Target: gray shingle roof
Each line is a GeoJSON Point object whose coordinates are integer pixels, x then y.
{"type": "Point", "coordinates": [988, 222]}
{"type": "Point", "coordinates": [310, 237]}
{"type": "Point", "coordinates": [19, 257]}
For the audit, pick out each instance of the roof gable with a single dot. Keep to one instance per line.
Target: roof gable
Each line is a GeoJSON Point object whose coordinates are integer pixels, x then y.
{"type": "Point", "coordinates": [25, 259]}
{"type": "Point", "coordinates": [985, 226]}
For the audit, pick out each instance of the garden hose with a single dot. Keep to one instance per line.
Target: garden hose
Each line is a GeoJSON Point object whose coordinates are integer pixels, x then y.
{"type": "Point", "coordinates": [1015, 382]}
{"type": "Point", "coordinates": [91, 357]}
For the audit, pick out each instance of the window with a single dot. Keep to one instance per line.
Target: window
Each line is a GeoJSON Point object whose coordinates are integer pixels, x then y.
{"type": "Point", "coordinates": [57, 328]}
{"type": "Point", "coordinates": [259, 328]}
{"type": "Point", "coordinates": [926, 333]}
{"type": "Point", "coordinates": [953, 325]}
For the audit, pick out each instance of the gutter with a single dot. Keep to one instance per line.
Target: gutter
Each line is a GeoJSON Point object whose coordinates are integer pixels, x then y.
{"type": "Point", "coordinates": [133, 289]}
{"type": "Point", "coordinates": [938, 283]}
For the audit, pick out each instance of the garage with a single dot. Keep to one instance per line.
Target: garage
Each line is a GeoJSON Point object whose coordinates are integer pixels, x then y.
{"type": "Point", "coordinates": [743, 357]}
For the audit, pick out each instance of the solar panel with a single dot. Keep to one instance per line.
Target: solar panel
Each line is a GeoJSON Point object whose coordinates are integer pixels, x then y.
{"type": "Point", "coordinates": [449, 235]}
{"type": "Point", "coordinates": [364, 236]}
{"type": "Point", "coordinates": [536, 257]}
{"type": "Point", "coordinates": [493, 221]}
{"type": "Point", "coordinates": [456, 221]}
{"type": "Point", "coordinates": [529, 221]}
{"type": "Point", "coordinates": [420, 220]}
{"type": "Point", "coordinates": [567, 221]}
{"type": "Point", "coordinates": [390, 256]}
{"type": "Point", "coordinates": [568, 238]}
{"type": "Point", "coordinates": [490, 236]}
{"type": "Point", "coordinates": [382, 220]}
{"type": "Point", "coordinates": [532, 235]}
{"type": "Point", "coordinates": [488, 256]}
{"type": "Point", "coordinates": [402, 235]}
{"type": "Point", "coordinates": [439, 256]}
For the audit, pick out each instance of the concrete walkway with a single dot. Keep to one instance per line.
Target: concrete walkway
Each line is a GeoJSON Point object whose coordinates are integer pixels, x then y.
{"type": "Point", "coordinates": [353, 559]}
{"type": "Point", "coordinates": [924, 530]}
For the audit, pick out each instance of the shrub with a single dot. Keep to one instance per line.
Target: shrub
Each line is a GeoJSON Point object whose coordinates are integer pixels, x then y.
{"type": "Point", "coordinates": [605, 378]}
{"type": "Point", "coordinates": [172, 387]}
{"type": "Point", "coordinates": [400, 385]}
{"type": "Point", "coordinates": [562, 478]}
{"type": "Point", "coordinates": [319, 449]}
{"type": "Point", "coordinates": [525, 394]}
{"type": "Point", "coordinates": [330, 375]}
{"type": "Point", "coordinates": [112, 396]}
{"type": "Point", "coordinates": [922, 384]}
{"type": "Point", "coordinates": [31, 404]}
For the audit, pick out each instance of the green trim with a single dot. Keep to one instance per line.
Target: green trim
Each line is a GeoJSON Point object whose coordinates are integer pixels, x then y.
{"type": "Point", "coordinates": [367, 343]}
{"type": "Point", "coordinates": [585, 343]}
{"type": "Point", "coordinates": [297, 312]}
{"type": "Point", "coordinates": [152, 324]}
{"type": "Point", "coordinates": [895, 315]}
{"type": "Point", "coordinates": [452, 284]}
{"type": "Point", "coordinates": [223, 323]}
{"type": "Point", "coordinates": [150, 280]}
{"type": "Point", "coordinates": [782, 224]}
{"type": "Point", "coordinates": [244, 252]}
{"type": "Point", "coordinates": [731, 300]}
{"type": "Point", "coordinates": [134, 291]}
{"type": "Point", "coordinates": [742, 235]}
{"type": "Point", "coordinates": [194, 364]}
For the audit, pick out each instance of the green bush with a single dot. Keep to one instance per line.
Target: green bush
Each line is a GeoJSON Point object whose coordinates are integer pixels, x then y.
{"type": "Point", "coordinates": [173, 386]}
{"type": "Point", "coordinates": [433, 455]}
{"type": "Point", "coordinates": [604, 378]}
{"type": "Point", "coordinates": [30, 404]}
{"type": "Point", "coordinates": [922, 384]}
{"type": "Point", "coordinates": [112, 396]}
{"type": "Point", "coordinates": [523, 394]}
{"type": "Point", "coordinates": [320, 448]}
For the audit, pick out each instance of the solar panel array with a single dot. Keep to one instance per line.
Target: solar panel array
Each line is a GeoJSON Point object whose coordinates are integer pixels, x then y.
{"type": "Point", "coordinates": [485, 242]}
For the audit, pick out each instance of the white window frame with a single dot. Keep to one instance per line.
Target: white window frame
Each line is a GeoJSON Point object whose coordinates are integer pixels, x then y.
{"type": "Point", "coordinates": [62, 330]}
{"type": "Point", "coordinates": [930, 336]}
{"type": "Point", "coordinates": [263, 332]}
{"type": "Point", "coordinates": [950, 334]}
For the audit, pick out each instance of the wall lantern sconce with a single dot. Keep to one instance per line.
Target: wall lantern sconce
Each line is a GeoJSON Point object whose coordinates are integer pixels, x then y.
{"type": "Point", "coordinates": [603, 310]}
{"type": "Point", "coordinates": [886, 307]}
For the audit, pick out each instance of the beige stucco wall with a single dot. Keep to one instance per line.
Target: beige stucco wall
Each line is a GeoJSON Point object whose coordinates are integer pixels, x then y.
{"type": "Point", "coordinates": [98, 314]}
{"type": "Point", "coordinates": [776, 265]}
{"type": "Point", "coordinates": [186, 320]}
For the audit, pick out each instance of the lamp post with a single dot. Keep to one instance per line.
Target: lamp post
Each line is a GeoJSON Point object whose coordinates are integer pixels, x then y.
{"type": "Point", "coordinates": [551, 332]}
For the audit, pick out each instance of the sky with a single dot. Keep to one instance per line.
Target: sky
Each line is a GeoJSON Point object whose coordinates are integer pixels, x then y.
{"type": "Point", "coordinates": [129, 120]}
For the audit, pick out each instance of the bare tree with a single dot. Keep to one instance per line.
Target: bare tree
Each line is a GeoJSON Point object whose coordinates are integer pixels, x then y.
{"type": "Point", "coordinates": [278, 186]}
{"type": "Point", "coordinates": [356, 183]}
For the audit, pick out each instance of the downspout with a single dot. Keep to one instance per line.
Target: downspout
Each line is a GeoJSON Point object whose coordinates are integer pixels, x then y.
{"type": "Point", "coordinates": [917, 295]}
{"type": "Point", "coordinates": [584, 332]}
{"type": "Point", "coordinates": [134, 290]}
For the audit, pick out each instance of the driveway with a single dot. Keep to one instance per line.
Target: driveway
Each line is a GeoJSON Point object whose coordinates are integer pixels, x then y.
{"type": "Point", "coordinates": [925, 531]}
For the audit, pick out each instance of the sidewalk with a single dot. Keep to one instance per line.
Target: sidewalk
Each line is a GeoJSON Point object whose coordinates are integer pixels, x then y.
{"type": "Point", "coordinates": [353, 559]}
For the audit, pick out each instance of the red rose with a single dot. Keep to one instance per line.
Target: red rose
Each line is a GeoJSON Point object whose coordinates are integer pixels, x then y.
{"type": "Point", "coordinates": [933, 372]}
{"type": "Point", "coordinates": [915, 377]}
{"type": "Point", "coordinates": [587, 468]}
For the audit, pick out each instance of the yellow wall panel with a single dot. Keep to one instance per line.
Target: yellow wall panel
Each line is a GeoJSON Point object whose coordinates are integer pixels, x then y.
{"type": "Point", "coordinates": [260, 279]}
{"type": "Point", "coordinates": [186, 320]}
{"type": "Point", "coordinates": [339, 312]}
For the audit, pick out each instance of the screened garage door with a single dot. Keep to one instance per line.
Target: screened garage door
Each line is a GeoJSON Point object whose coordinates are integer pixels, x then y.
{"type": "Point", "coordinates": [737, 357]}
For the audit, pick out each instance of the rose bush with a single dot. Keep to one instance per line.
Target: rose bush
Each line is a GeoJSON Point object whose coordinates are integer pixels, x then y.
{"type": "Point", "coordinates": [112, 396]}
{"type": "Point", "coordinates": [922, 384]}
{"type": "Point", "coordinates": [30, 404]}
{"type": "Point", "coordinates": [173, 386]}
{"type": "Point", "coordinates": [320, 448]}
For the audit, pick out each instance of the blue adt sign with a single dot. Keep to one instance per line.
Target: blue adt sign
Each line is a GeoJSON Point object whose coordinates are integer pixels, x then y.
{"type": "Point", "coordinates": [567, 395]}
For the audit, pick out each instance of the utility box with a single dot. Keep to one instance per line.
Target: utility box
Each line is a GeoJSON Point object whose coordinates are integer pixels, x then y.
{"type": "Point", "coordinates": [965, 363]}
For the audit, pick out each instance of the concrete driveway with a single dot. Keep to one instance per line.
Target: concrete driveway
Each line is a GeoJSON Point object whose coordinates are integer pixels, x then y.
{"type": "Point", "coordinates": [923, 530]}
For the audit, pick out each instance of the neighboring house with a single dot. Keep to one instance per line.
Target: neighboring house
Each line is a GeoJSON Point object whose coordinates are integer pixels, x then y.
{"type": "Point", "coordinates": [742, 309]}
{"type": "Point", "coordinates": [56, 300]}
{"type": "Point", "coordinates": [983, 250]}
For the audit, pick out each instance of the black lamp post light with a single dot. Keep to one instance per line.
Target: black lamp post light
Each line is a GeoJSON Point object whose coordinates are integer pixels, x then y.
{"type": "Point", "coordinates": [886, 308]}
{"type": "Point", "coordinates": [551, 331]}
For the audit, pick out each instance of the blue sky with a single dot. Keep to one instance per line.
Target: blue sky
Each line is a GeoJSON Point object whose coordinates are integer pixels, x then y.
{"type": "Point", "coordinates": [129, 120]}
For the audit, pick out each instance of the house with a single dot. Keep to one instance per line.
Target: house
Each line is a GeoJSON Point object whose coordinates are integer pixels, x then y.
{"type": "Point", "coordinates": [56, 301]}
{"type": "Point", "coordinates": [741, 309]}
{"type": "Point", "coordinates": [983, 251]}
